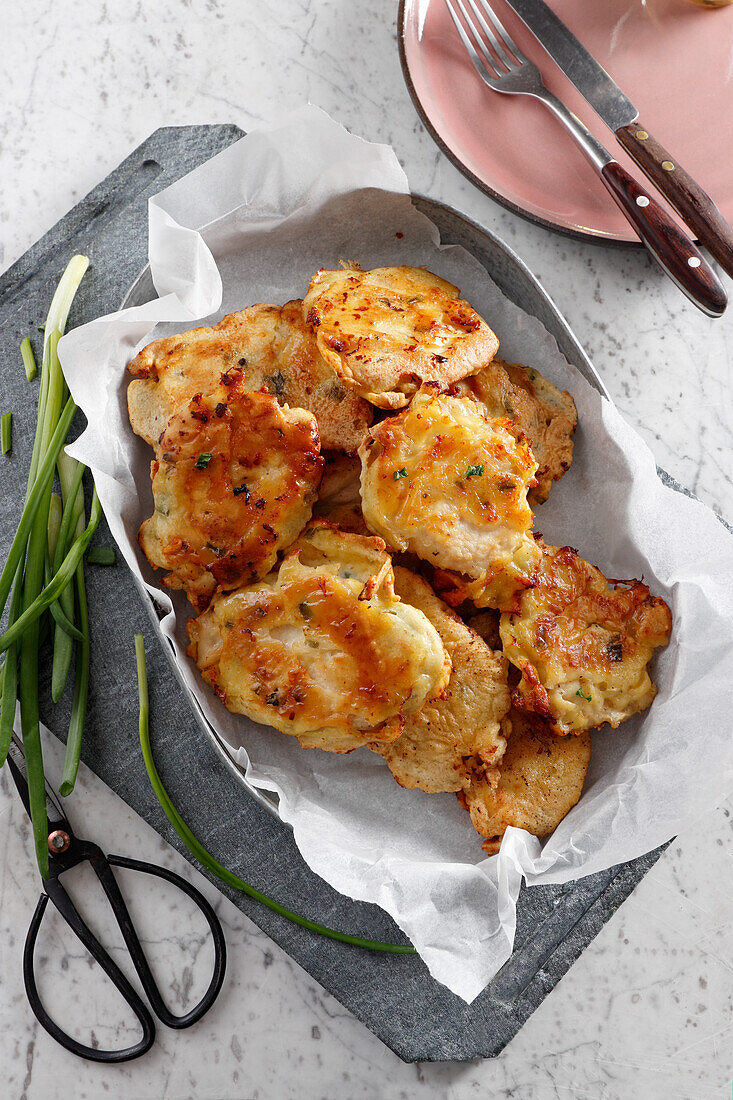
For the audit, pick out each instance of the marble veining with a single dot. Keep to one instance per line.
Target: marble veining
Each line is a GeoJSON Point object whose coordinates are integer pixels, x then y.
{"type": "Point", "coordinates": [646, 1011]}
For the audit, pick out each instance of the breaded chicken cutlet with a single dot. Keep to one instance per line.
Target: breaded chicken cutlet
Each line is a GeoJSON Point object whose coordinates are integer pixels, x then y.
{"type": "Point", "coordinates": [544, 414]}
{"type": "Point", "coordinates": [541, 779]}
{"type": "Point", "coordinates": [583, 643]}
{"type": "Point", "coordinates": [234, 480]}
{"type": "Point", "coordinates": [323, 649]}
{"type": "Point", "coordinates": [266, 347]}
{"type": "Point", "coordinates": [444, 482]}
{"type": "Point", "coordinates": [447, 739]}
{"type": "Point", "coordinates": [386, 331]}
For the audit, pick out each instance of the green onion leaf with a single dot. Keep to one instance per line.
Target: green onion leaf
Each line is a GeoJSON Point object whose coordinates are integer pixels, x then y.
{"type": "Point", "coordinates": [475, 471]}
{"type": "Point", "coordinates": [6, 433]}
{"type": "Point", "coordinates": [29, 361]}
{"type": "Point", "coordinates": [582, 696]}
{"type": "Point", "coordinates": [203, 856]}
{"type": "Point", "coordinates": [203, 461]}
{"type": "Point", "coordinates": [101, 555]}
{"type": "Point", "coordinates": [400, 473]}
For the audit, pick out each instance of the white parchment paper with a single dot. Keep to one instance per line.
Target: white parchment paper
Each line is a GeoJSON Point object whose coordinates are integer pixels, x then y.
{"type": "Point", "coordinates": [282, 202]}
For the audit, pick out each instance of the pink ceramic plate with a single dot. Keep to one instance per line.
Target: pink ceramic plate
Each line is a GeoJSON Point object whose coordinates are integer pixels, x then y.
{"type": "Point", "coordinates": [673, 59]}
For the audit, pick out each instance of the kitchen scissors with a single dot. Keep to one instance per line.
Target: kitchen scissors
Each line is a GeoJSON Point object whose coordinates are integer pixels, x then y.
{"type": "Point", "coordinates": [67, 851]}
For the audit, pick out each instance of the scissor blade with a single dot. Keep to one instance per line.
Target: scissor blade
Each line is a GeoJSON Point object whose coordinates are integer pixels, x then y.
{"type": "Point", "coordinates": [19, 771]}
{"type": "Point", "coordinates": [579, 66]}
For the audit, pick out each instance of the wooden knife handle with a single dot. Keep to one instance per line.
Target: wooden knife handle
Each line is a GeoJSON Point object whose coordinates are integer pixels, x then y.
{"type": "Point", "coordinates": [693, 204]}
{"type": "Point", "coordinates": [673, 250]}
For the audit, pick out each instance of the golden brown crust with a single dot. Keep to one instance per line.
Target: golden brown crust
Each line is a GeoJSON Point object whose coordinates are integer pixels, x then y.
{"type": "Point", "coordinates": [442, 481]}
{"type": "Point", "coordinates": [583, 643]}
{"type": "Point", "coordinates": [234, 481]}
{"type": "Point", "coordinates": [443, 743]}
{"type": "Point", "coordinates": [541, 780]}
{"type": "Point", "coordinates": [388, 330]}
{"type": "Point", "coordinates": [322, 650]}
{"type": "Point", "coordinates": [261, 347]}
{"type": "Point", "coordinates": [545, 415]}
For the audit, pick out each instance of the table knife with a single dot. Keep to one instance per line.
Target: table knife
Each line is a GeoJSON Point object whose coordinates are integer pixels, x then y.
{"type": "Point", "coordinates": [692, 203]}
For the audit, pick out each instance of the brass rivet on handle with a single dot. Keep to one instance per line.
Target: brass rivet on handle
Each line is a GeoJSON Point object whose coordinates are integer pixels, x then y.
{"type": "Point", "coordinates": [668, 165]}
{"type": "Point", "coordinates": [642, 135]}
{"type": "Point", "coordinates": [58, 842]}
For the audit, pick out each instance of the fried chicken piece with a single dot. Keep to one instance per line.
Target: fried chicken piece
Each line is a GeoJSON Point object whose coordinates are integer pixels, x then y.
{"type": "Point", "coordinates": [324, 649]}
{"type": "Point", "coordinates": [385, 331]}
{"type": "Point", "coordinates": [486, 625]}
{"type": "Point", "coordinates": [547, 416]}
{"type": "Point", "coordinates": [442, 481]}
{"type": "Point", "coordinates": [541, 780]}
{"type": "Point", "coordinates": [443, 742]}
{"type": "Point", "coordinates": [234, 482]}
{"type": "Point", "coordinates": [261, 347]}
{"type": "Point", "coordinates": [583, 643]}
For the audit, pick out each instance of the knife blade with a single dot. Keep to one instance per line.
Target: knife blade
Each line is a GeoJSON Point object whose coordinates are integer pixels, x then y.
{"type": "Point", "coordinates": [692, 203]}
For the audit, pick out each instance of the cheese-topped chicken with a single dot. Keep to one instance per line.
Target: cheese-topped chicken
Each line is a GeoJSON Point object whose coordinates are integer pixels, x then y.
{"type": "Point", "coordinates": [388, 330]}
{"type": "Point", "coordinates": [541, 779]}
{"type": "Point", "coordinates": [444, 742]}
{"type": "Point", "coordinates": [443, 481]}
{"type": "Point", "coordinates": [261, 347]}
{"type": "Point", "coordinates": [322, 649]}
{"type": "Point", "coordinates": [583, 643]}
{"type": "Point", "coordinates": [234, 482]}
{"type": "Point", "coordinates": [544, 414]}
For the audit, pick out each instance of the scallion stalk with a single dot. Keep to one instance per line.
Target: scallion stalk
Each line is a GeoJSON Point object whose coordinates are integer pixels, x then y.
{"type": "Point", "coordinates": [203, 856]}
{"type": "Point", "coordinates": [29, 362]}
{"type": "Point", "coordinates": [6, 433]}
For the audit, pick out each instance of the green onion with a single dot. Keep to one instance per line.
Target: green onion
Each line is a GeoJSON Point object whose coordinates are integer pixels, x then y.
{"type": "Point", "coordinates": [41, 483]}
{"type": "Point", "coordinates": [29, 362]}
{"type": "Point", "coordinates": [45, 597]}
{"type": "Point", "coordinates": [6, 433]}
{"type": "Point", "coordinates": [582, 696]}
{"type": "Point", "coordinates": [55, 512]}
{"type": "Point", "coordinates": [203, 856]}
{"type": "Point", "coordinates": [81, 691]}
{"type": "Point", "coordinates": [475, 471]}
{"type": "Point", "coordinates": [400, 473]}
{"type": "Point", "coordinates": [101, 555]}
{"type": "Point", "coordinates": [203, 461]}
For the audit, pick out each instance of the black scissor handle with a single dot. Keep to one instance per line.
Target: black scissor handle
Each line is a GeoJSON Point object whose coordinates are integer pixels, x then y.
{"type": "Point", "coordinates": [84, 851]}
{"type": "Point", "coordinates": [65, 906]}
{"type": "Point", "coordinates": [112, 890]}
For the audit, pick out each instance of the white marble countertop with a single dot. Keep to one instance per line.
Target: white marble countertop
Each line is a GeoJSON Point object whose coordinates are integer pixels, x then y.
{"type": "Point", "coordinates": [646, 1011]}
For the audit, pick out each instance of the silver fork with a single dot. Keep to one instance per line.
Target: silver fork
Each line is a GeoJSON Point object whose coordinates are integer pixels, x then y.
{"type": "Point", "coordinates": [502, 66]}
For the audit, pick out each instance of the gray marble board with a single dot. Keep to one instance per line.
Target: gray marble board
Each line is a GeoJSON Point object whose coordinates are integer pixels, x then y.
{"type": "Point", "coordinates": [394, 997]}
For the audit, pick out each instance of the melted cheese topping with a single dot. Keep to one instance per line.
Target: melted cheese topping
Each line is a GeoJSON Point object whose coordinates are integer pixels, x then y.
{"type": "Point", "coordinates": [534, 407]}
{"type": "Point", "coordinates": [233, 483]}
{"type": "Point", "coordinates": [261, 347]}
{"type": "Point", "coordinates": [442, 481]}
{"type": "Point", "coordinates": [323, 650]}
{"type": "Point", "coordinates": [385, 331]}
{"type": "Point", "coordinates": [583, 644]}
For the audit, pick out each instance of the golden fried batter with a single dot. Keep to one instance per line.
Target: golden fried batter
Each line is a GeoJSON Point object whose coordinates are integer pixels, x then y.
{"type": "Point", "coordinates": [541, 779]}
{"type": "Point", "coordinates": [234, 481]}
{"type": "Point", "coordinates": [442, 481]}
{"type": "Point", "coordinates": [339, 498]}
{"type": "Point", "coordinates": [444, 741]}
{"type": "Point", "coordinates": [547, 416]}
{"type": "Point", "coordinates": [266, 347]}
{"type": "Point", "coordinates": [486, 625]}
{"type": "Point", "coordinates": [323, 649]}
{"type": "Point", "coordinates": [582, 644]}
{"type": "Point", "coordinates": [385, 331]}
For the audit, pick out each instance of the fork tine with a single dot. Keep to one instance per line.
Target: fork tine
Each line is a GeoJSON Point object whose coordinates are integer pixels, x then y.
{"type": "Point", "coordinates": [470, 48]}
{"type": "Point", "coordinates": [501, 30]}
{"type": "Point", "coordinates": [505, 59]}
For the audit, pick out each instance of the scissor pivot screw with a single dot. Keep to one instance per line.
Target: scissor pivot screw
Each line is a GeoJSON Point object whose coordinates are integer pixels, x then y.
{"type": "Point", "coordinates": [58, 841]}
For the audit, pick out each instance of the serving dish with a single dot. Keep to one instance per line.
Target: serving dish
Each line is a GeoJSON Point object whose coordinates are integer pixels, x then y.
{"type": "Point", "coordinates": [514, 280]}
{"type": "Point", "coordinates": [523, 160]}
